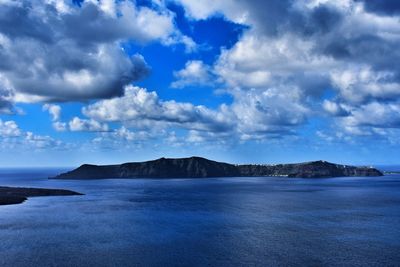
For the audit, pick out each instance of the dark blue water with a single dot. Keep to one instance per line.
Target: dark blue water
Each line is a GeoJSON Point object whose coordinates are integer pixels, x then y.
{"type": "Point", "coordinates": [208, 222]}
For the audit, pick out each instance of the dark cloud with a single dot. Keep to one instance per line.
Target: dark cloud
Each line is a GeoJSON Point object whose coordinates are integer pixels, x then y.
{"type": "Point", "coordinates": [363, 48]}
{"type": "Point", "coordinates": [17, 21]}
{"type": "Point", "coordinates": [92, 26]}
{"type": "Point", "coordinates": [280, 16]}
{"type": "Point", "coordinates": [269, 15]}
{"type": "Point", "coordinates": [313, 84]}
{"type": "Point", "coordinates": [6, 106]}
{"type": "Point", "coordinates": [383, 7]}
{"type": "Point", "coordinates": [322, 19]}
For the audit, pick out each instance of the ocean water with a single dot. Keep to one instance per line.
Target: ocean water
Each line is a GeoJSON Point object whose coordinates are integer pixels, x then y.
{"type": "Point", "coordinates": [266, 221]}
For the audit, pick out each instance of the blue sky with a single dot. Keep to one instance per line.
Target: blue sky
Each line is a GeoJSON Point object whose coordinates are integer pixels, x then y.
{"type": "Point", "coordinates": [106, 81]}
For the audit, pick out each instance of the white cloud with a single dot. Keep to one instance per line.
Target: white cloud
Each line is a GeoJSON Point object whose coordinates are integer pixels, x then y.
{"type": "Point", "coordinates": [190, 45]}
{"type": "Point", "coordinates": [361, 83]}
{"type": "Point", "coordinates": [253, 113]}
{"type": "Point", "coordinates": [145, 24]}
{"type": "Point", "coordinates": [41, 141]}
{"type": "Point", "coordinates": [195, 73]}
{"type": "Point", "coordinates": [260, 62]}
{"type": "Point", "coordinates": [335, 137]}
{"type": "Point", "coordinates": [375, 114]}
{"type": "Point", "coordinates": [127, 135]}
{"type": "Point", "coordinates": [54, 111]}
{"type": "Point", "coordinates": [59, 126]}
{"type": "Point", "coordinates": [12, 137]}
{"type": "Point", "coordinates": [124, 138]}
{"type": "Point", "coordinates": [83, 125]}
{"type": "Point", "coordinates": [108, 6]}
{"type": "Point", "coordinates": [9, 129]}
{"type": "Point", "coordinates": [139, 105]}
{"type": "Point", "coordinates": [201, 10]}
{"type": "Point", "coordinates": [334, 108]}
{"type": "Point", "coordinates": [272, 111]}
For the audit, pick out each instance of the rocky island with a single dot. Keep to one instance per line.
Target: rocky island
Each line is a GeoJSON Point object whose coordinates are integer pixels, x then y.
{"type": "Point", "coordinates": [197, 167]}
{"type": "Point", "coordinates": [17, 195]}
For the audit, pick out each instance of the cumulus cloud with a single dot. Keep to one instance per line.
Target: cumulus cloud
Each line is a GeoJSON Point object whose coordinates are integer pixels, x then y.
{"type": "Point", "coordinates": [268, 18]}
{"type": "Point", "coordinates": [251, 116]}
{"type": "Point", "coordinates": [202, 9]}
{"type": "Point", "coordinates": [54, 111]}
{"type": "Point", "coordinates": [60, 126]}
{"type": "Point", "coordinates": [139, 105]}
{"type": "Point", "coordinates": [83, 125]}
{"type": "Point", "coordinates": [334, 108]}
{"type": "Point", "coordinates": [273, 111]}
{"type": "Point", "coordinates": [127, 135]}
{"type": "Point", "coordinates": [295, 59]}
{"type": "Point", "coordinates": [292, 53]}
{"type": "Point", "coordinates": [195, 73]}
{"type": "Point", "coordinates": [124, 138]}
{"type": "Point", "coordinates": [296, 51]}
{"type": "Point", "coordinates": [13, 137]}
{"type": "Point", "coordinates": [58, 51]}
{"type": "Point", "coordinates": [9, 129]}
{"type": "Point", "coordinates": [41, 141]}
{"type": "Point", "coordinates": [375, 114]}
{"type": "Point", "coordinates": [260, 62]}
{"type": "Point", "coordinates": [361, 84]}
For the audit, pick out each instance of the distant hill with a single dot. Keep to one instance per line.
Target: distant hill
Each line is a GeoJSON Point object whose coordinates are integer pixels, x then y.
{"type": "Point", "coordinates": [197, 167]}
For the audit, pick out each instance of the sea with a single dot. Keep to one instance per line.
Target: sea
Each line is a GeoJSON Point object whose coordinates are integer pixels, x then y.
{"type": "Point", "coordinates": [258, 221]}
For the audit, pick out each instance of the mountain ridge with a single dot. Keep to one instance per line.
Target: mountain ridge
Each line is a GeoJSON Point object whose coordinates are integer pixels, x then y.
{"type": "Point", "coordinates": [198, 167]}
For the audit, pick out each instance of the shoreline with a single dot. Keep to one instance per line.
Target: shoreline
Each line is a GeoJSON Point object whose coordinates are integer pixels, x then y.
{"type": "Point", "coordinates": [18, 195]}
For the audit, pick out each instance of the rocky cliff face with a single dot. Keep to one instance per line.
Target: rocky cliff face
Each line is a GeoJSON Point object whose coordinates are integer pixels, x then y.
{"type": "Point", "coordinates": [196, 167]}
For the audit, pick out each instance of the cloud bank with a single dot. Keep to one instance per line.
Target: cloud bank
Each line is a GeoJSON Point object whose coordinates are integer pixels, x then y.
{"type": "Point", "coordinates": [295, 53]}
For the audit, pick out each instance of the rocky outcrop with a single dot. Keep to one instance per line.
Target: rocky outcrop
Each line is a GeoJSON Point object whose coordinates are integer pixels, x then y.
{"type": "Point", "coordinates": [196, 167]}
{"type": "Point", "coordinates": [17, 195]}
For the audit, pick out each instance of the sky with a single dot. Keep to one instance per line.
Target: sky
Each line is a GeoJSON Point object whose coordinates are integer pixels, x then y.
{"type": "Point", "coordinates": [241, 81]}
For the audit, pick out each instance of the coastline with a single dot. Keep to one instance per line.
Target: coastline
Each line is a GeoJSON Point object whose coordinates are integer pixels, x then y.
{"type": "Point", "coordinates": [18, 195]}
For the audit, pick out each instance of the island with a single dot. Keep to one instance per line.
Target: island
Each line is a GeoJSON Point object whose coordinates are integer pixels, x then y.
{"type": "Point", "coordinates": [17, 195]}
{"type": "Point", "coordinates": [197, 167]}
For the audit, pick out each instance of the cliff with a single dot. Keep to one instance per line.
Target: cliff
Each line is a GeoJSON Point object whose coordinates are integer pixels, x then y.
{"type": "Point", "coordinates": [314, 169]}
{"type": "Point", "coordinates": [196, 167]}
